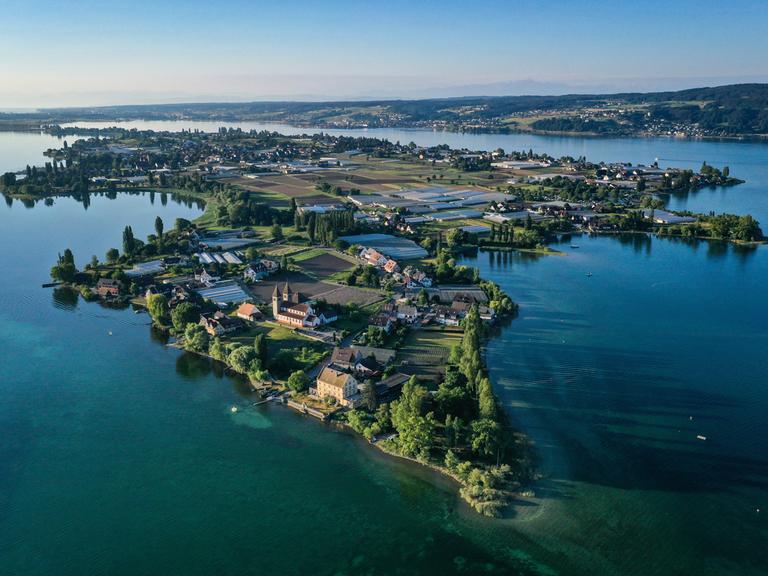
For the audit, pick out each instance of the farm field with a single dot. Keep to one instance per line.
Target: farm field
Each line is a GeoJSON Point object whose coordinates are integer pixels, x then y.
{"type": "Point", "coordinates": [426, 352]}
{"type": "Point", "coordinates": [307, 286]}
{"type": "Point", "coordinates": [310, 287]}
{"type": "Point", "coordinates": [323, 264]}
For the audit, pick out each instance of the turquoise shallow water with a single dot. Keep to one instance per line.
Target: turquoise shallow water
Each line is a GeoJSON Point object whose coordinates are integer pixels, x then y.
{"type": "Point", "coordinates": [120, 456]}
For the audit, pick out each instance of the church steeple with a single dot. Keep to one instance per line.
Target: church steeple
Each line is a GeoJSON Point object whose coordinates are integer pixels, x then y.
{"type": "Point", "coordinates": [275, 302]}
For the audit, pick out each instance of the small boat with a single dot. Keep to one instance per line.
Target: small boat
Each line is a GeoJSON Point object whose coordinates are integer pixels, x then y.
{"type": "Point", "coordinates": [233, 409]}
{"type": "Point", "coordinates": [574, 246]}
{"type": "Point", "coordinates": [589, 274]}
{"type": "Point", "coordinates": [700, 437]}
{"type": "Point", "coordinates": [110, 332]}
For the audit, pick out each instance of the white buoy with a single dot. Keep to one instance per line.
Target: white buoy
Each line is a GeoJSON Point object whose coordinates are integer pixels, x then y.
{"type": "Point", "coordinates": [233, 409]}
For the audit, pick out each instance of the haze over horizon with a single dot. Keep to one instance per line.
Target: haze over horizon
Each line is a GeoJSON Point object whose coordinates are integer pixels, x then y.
{"type": "Point", "coordinates": [91, 54]}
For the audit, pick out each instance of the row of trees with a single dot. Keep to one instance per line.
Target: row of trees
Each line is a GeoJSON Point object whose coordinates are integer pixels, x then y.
{"type": "Point", "coordinates": [325, 228]}
{"type": "Point", "coordinates": [460, 427]}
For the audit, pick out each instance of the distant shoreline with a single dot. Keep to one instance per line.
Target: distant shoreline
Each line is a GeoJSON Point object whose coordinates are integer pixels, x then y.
{"type": "Point", "coordinates": [37, 127]}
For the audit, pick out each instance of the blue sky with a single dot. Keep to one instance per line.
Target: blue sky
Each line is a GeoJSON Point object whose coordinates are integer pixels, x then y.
{"type": "Point", "coordinates": [69, 52]}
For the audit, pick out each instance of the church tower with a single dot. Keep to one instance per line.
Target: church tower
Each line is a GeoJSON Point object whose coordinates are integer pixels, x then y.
{"type": "Point", "coordinates": [275, 302]}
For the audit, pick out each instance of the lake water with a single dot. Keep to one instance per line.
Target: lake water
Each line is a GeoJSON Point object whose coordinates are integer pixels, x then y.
{"type": "Point", "coordinates": [119, 455]}
{"type": "Point", "coordinates": [17, 149]}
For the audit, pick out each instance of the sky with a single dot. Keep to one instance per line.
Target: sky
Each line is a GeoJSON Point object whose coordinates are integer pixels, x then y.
{"type": "Point", "coordinates": [101, 52]}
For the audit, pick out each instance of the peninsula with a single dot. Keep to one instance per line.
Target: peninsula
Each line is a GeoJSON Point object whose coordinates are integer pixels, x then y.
{"type": "Point", "coordinates": [326, 271]}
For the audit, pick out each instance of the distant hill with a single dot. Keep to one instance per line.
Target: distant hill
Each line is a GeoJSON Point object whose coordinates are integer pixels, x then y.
{"type": "Point", "coordinates": [734, 110]}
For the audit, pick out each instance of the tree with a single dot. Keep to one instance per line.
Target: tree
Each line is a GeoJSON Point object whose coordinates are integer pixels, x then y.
{"type": "Point", "coordinates": [486, 399]}
{"type": "Point", "coordinates": [195, 338]}
{"type": "Point", "coordinates": [182, 224]}
{"type": "Point", "coordinates": [486, 437]}
{"type": "Point", "coordinates": [260, 347]}
{"type": "Point", "coordinates": [415, 431]}
{"type": "Point", "coordinates": [298, 381]}
{"type": "Point", "coordinates": [747, 229]}
{"type": "Point", "coordinates": [240, 359]}
{"type": "Point", "coordinates": [369, 395]}
{"type": "Point", "coordinates": [256, 371]}
{"type": "Point", "coordinates": [451, 460]}
{"type": "Point", "coordinates": [159, 228]}
{"type": "Point", "coordinates": [68, 257]}
{"type": "Point", "coordinates": [216, 349]}
{"type": "Point", "coordinates": [277, 231]}
{"type": "Point", "coordinates": [157, 304]}
{"type": "Point", "coordinates": [9, 179]}
{"type": "Point", "coordinates": [183, 314]}
{"type": "Point", "coordinates": [129, 242]}
{"type": "Point", "coordinates": [64, 270]}
{"type": "Point", "coordinates": [112, 255]}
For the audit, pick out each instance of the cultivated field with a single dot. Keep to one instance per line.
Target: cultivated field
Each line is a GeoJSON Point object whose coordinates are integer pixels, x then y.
{"type": "Point", "coordinates": [306, 285]}
{"type": "Point", "coordinates": [311, 288]}
{"type": "Point", "coordinates": [426, 352]}
{"type": "Point", "coordinates": [324, 265]}
{"type": "Point", "coordinates": [350, 295]}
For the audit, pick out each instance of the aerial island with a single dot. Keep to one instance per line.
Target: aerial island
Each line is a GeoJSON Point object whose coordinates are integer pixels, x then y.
{"type": "Point", "coordinates": [326, 270]}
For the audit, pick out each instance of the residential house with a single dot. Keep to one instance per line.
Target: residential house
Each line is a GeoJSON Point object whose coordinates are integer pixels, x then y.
{"type": "Point", "coordinates": [218, 323]}
{"type": "Point", "coordinates": [108, 288]}
{"type": "Point", "coordinates": [338, 385]}
{"type": "Point", "coordinates": [250, 312]}
{"type": "Point", "coordinates": [415, 278]}
{"type": "Point", "coordinates": [461, 307]}
{"type": "Point", "coordinates": [178, 295]}
{"type": "Point", "coordinates": [260, 269]}
{"type": "Point", "coordinates": [205, 278]}
{"type": "Point", "coordinates": [391, 267]}
{"type": "Point", "coordinates": [407, 313]}
{"type": "Point", "coordinates": [154, 289]}
{"type": "Point", "coordinates": [487, 314]}
{"type": "Point", "coordinates": [373, 257]}
{"type": "Point", "coordinates": [345, 358]}
{"type": "Point", "coordinates": [463, 302]}
{"type": "Point", "coordinates": [382, 320]}
{"type": "Point", "coordinates": [368, 367]}
{"type": "Point", "coordinates": [447, 316]}
{"type": "Point", "coordinates": [383, 355]}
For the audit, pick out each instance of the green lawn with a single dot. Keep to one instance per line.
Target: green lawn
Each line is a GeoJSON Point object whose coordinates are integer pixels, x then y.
{"type": "Point", "coordinates": [443, 337]}
{"type": "Point", "coordinates": [308, 254]}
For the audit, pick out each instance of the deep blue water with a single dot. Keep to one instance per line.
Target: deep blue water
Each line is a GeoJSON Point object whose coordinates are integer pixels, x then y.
{"type": "Point", "coordinates": [616, 374]}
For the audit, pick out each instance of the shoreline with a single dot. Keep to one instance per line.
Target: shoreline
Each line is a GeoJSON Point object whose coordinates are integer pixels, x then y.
{"type": "Point", "coordinates": [527, 460]}
{"type": "Point", "coordinates": [746, 138]}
